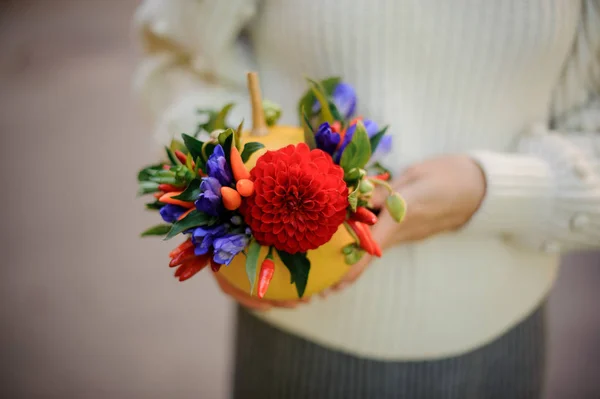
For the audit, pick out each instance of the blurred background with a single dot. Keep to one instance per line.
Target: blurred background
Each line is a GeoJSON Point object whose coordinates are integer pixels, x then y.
{"type": "Point", "coordinates": [89, 310]}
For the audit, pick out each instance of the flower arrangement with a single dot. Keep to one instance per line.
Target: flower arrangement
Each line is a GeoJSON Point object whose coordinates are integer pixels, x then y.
{"type": "Point", "coordinates": [246, 205]}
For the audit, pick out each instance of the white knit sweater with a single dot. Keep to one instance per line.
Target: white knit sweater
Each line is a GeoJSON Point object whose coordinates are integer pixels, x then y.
{"type": "Point", "coordinates": [513, 83]}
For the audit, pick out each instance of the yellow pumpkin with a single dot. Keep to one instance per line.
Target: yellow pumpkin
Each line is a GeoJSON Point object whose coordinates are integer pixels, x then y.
{"type": "Point", "coordinates": [327, 264]}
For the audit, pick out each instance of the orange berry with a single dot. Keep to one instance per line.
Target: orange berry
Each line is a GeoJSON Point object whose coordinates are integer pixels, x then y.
{"type": "Point", "coordinates": [231, 198]}
{"type": "Point", "coordinates": [245, 187]}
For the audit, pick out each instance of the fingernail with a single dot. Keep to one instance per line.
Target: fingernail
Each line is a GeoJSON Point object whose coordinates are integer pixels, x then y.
{"type": "Point", "coordinates": [325, 292]}
{"type": "Point", "coordinates": [342, 285]}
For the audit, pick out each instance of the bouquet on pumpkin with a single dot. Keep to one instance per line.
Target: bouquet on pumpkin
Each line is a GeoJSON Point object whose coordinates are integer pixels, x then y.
{"type": "Point", "coordinates": [279, 207]}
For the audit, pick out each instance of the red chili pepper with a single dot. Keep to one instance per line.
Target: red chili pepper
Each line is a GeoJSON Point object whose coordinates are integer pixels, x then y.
{"type": "Point", "coordinates": [167, 188]}
{"type": "Point", "coordinates": [364, 215]}
{"type": "Point", "coordinates": [265, 275]}
{"type": "Point", "coordinates": [181, 156]}
{"type": "Point", "coordinates": [336, 126]}
{"type": "Point", "coordinates": [214, 265]}
{"type": "Point", "coordinates": [376, 249]}
{"type": "Point", "coordinates": [191, 266]}
{"type": "Point", "coordinates": [181, 257]}
{"type": "Point", "coordinates": [363, 233]}
{"type": "Point", "coordinates": [182, 247]}
{"type": "Point", "coordinates": [383, 176]}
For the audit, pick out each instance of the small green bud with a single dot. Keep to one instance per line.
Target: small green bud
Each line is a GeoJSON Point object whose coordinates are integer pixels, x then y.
{"type": "Point", "coordinates": [348, 249]}
{"type": "Point", "coordinates": [354, 256]}
{"type": "Point", "coordinates": [396, 206]}
{"type": "Point", "coordinates": [272, 112]}
{"type": "Point", "coordinates": [365, 186]}
{"type": "Point", "coordinates": [215, 134]}
{"type": "Point", "coordinates": [354, 174]}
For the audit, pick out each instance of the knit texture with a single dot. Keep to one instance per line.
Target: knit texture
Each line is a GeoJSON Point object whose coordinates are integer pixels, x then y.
{"type": "Point", "coordinates": [513, 84]}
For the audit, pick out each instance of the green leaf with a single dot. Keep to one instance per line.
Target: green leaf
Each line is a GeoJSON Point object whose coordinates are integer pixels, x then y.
{"type": "Point", "coordinates": [309, 133]}
{"type": "Point", "coordinates": [208, 150]}
{"type": "Point", "coordinates": [252, 262]}
{"type": "Point", "coordinates": [147, 187]}
{"type": "Point", "coordinates": [249, 149]}
{"type": "Point", "coordinates": [219, 121]}
{"type": "Point", "coordinates": [194, 219]}
{"type": "Point", "coordinates": [191, 192]}
{"type": "Point", "coordinates": [193, 145]}
{"type": "Point", "coordinates": [358, 151]}
{"type": "Point", "coordinates": [200, 165]}
{"type": "Point", "coordinates": [147, 172]}
{"type": "Point", "coordinates": [299, 267]}
{"type": "Point", "coordinates": [172, 156]}
{"type": "Point", "coordinates": [154, 206]}
{"type": "Point", "coordinates": [189, 162]}
{"type": "Point", "coordinates": [334, 111]}
{"type": "Point", "coordinates": [377, 138]}
{"type": "Point", "coordinates": [227, 139]}
{"type": "Point", "coordinates": [353, 199]}
{"type": "Point", "coordinates": [308, 98]}
{"type": "Point", "coordinates": [158, 230]}
{"type": "Point", "coordinates": [321, 97]}
{"type": "Point", "coordinates": [238, 135]}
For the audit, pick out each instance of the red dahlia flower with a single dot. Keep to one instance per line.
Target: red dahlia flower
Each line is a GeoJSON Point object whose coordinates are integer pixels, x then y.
{"type": "Point", "coordinates": [299, 200]}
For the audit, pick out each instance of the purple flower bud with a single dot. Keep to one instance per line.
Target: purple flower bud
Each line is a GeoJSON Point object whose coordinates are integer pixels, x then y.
{"type": "Point", "coordinates": [228, 246]}
{"type": "Point", "coordinates": [209, 201]}
{"type": "Point", "coordinates": [170, 213]}
{"type": "Point", "coordinates": [326, 139]}
{"type": "Point", "coordinates": [203, 237]}
{"type": "Point", "coordinates": [218, 167]}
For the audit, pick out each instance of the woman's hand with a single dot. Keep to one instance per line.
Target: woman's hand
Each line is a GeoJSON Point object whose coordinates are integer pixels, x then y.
{"type": "Point", "coordinates": [441, 195]}
{"type": "Point", "coordinates": [253, 302]}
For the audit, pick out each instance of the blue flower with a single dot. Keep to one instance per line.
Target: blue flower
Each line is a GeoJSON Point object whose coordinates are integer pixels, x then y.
{"type": "Point", "coordinates": [344, 98]}
{"type": "Point", "coordinates": [326, 139]}
{"type": "Point", "coordinates": [209, 201]}
{"type": "Point", "coordinates": [203, 237]}
{"type": "Point", "coordinates": [371, 128]}
{"type": "Point", "coordinates": [218, 167]}
{"type": "Point", "coordinates": [385, 146]}
{"type": "Point", "coordinates": [228, 246]}
{"type": "Point", "coordinates": [170, 213]}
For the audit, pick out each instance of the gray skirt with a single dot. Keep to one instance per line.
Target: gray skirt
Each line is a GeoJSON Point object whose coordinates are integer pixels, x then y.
{"type": "Point", "coordinates": [270, 363]}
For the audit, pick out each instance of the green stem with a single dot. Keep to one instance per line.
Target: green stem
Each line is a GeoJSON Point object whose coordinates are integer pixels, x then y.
{"type": "Point", "coordinates": [382, 183]}
{"type": "Point", "coordinates": [351, 232]}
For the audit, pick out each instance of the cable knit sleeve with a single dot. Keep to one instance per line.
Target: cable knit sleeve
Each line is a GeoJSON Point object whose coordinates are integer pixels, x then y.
{"type": "Point", "coordinates": [193, 57]}
{"type": "Point", "coordinates": [546, 195]}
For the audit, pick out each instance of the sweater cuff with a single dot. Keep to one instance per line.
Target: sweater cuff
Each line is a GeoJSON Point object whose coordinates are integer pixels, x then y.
{"type": "Point", "coordinates": [518, 196]}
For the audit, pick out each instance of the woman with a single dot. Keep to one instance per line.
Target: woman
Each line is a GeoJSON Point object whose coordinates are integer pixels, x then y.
{"type": "Point", "coordinates": [494, 108]}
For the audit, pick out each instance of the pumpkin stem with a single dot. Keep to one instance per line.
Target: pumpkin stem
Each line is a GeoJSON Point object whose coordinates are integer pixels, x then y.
{"type": "Point", "coordinates": [259, 124]}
